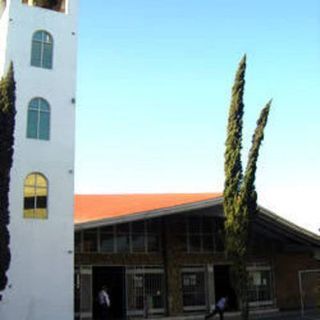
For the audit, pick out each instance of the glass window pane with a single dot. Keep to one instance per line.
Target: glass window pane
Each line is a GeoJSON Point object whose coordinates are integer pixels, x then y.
{"type": "Point", "coordinates": [41, 202]}
{"type": "Point", "coordinates": [208, 243]}
{"type": "Point", "coordinates": [36, 54]}
{"type": "Point", "coordinates": [123, 228]}
{"type": "Point", "coordinates": [34, 104]}
{"type": "Point", "coordinates": [43, 105]}
{"type": "Point", "coordinates": [35, 197]}
{"type": "Point", "coordinates": [193, 288]}
{"type": "Point", "coordinates": [47, 56]}
{"type": "Point", "coordinates": [153, 225]}
{"type": "Point", "coordinates": [90, 241]}
{"type": "Point", "coordinates": [123, 243]}
{"type": "Point", "coordinates": [137, 227]}
{"type": "Point", "coordinates": [32, 125]}
{"type": "Point", "coordinates": [28, 213]}
{"type": "Point", "coordinates": [108, 229]}
{"type": "Point", "coordinates": [40, 213]}
{"type": "Point", "coordinates": [47, 38]}
{"type": "Point", "coordinates": [41, 181]}
{"type": "Point", "coordinates": [153, 243]}
{"type": "Point", "coordinates": [38, 35]}
{"type": "Point", "coordinates": [29, 202]}
{"type": "Point", "coordinates": [44, 126]}
{"type": "Point", "coordinates": [29, 191]}
{"type": "Point", "coordinates": [138, 243]}
{"type": "Point", "coordinates": [106, 242]}
{"type": "Point", "coordinates": [195, 224]}
{"type": "Point", "coordinates": [207, 225]}
{"type": "Point", "coordinates": [77, 242]}
{"type": "Point", "coordinates": [195, 243]}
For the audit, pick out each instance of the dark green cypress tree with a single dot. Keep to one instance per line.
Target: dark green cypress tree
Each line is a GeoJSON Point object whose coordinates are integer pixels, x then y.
{"type": "Point", "coordinates": [232, 165]}
{"type": "Point", "coordinates": [7, 124]}
{"type": "Point", "coordinates": [240, 197]}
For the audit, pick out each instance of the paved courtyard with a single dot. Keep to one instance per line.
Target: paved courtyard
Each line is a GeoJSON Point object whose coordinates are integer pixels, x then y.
{"type": "Point", "coordinates": [293, 315]}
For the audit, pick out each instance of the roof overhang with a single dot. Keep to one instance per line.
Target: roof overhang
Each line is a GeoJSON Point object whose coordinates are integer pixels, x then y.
{"type": "Point", "coordinates": [150, 214]}
{"type": "Point", "coordinates": [268, 218]}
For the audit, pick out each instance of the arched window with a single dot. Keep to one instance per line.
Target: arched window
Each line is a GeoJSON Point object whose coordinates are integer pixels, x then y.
{"type": "Point", "coordinates": [42, 50]}
{"type": "Point", "coordinates": [38, 123]}
{"type": "Point", "coordinates": [35, 194]}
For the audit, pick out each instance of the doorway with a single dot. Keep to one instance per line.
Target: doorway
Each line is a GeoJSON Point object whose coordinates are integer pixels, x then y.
{"type": "Point", "coordinates": [114, 279]}
{"type": "Point", "coordinates": [223, 286]}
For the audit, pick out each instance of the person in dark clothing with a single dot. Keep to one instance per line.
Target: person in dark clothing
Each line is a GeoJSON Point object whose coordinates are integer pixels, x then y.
{"type": "Point", "coordinates": [104, 303]}
{"type": "Point", "coordinates": [219, 307]}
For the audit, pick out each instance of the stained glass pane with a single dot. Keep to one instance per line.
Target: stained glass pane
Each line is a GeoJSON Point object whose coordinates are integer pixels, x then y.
{"type": "Point", "coordinates": [29, 202]}
{"type": "Point", "coordinates": [28, 213]}
{"type": "Point", "coordinates": [35, 197]}
{"type": "Point", "coordinates": [40, 213]}
{"type": "Point", "coordinates": [30, 180]}
{"type": "Point", "coordinates": [41, 202]}
{"type": "Point", "coordinates": [41, 181]}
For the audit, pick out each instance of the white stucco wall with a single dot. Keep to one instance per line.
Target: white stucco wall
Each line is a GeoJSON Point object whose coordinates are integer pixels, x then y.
{"type": "Point", "coordinates": [41, 270]}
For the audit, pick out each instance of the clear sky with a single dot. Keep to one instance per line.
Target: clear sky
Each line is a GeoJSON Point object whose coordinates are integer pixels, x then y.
{"type": "Point", "coordinates": [154, 82]}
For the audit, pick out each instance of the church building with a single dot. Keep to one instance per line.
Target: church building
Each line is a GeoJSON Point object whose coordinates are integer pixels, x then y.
{"type": "Point", "coordinates": [163, 255]}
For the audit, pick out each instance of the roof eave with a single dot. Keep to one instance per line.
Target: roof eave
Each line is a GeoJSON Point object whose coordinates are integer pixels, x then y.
{"type": "Point", "coordinates": [149, 214]}
{"type": "Point", "coordinates": [290, 228]}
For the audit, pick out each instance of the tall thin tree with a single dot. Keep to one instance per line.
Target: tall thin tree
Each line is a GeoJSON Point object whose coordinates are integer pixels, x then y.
{"type": "Point", "coordinates": [7, 124]}
{"type": "Point", "coordinates": [240, 196]}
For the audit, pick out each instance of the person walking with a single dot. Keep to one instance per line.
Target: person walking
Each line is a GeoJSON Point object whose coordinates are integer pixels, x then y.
{"type": "Point", "coordinates": [104, 303]}
{"type": "Point", "coordinates": [219, 307]}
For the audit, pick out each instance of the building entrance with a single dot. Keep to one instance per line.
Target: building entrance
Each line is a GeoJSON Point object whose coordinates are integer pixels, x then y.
{"type": "Point", "coordinates": [114, 279]}
{"type": "Point", "coordinates": [223, 286]}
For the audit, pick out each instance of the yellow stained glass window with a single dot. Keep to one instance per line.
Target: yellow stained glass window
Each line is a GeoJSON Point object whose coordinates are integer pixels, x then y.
{"type": "Point", "coordinates": [35, 197]}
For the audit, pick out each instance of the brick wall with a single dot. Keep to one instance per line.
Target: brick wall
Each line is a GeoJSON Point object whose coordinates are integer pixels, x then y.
{"type": "Point", "coordinates": [286, 271]}
{"type": "Point", "coordinates": [173, 257]}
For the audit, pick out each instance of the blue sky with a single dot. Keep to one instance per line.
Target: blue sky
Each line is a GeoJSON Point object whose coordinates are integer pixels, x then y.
{"type": "Point", "coordinates": [154, 82]}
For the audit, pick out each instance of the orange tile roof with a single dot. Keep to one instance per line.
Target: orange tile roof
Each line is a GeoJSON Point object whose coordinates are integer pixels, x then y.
{"type": "Point", "coordinates": [90, 208]}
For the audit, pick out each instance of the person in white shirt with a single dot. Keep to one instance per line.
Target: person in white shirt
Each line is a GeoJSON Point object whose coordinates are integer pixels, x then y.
{"type": "Point", "coordinates": [219, 307]}
{"type": "Point", "coordinates": [104, 303]}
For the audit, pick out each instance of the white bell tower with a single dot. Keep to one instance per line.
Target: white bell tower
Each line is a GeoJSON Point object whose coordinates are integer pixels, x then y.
{"type": "Point", "coordinates": [40, 38]}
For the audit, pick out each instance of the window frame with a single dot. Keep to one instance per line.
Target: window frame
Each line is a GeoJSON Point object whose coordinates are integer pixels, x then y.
{"type": "Point", "coordinates": [35, 215]}
{"type": "Point", "coordinates": [42, 46]}
{"type": "Point", "coordinates": [38, 119]}
{"type": "Point", "coordinates": [128, 233]}
{"type": "Point", "coordinates": [260, 267]}
{"type": "Point", "coordinates": [188, 234]}
{"type": "Point", "coordinates": [194, 270]}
